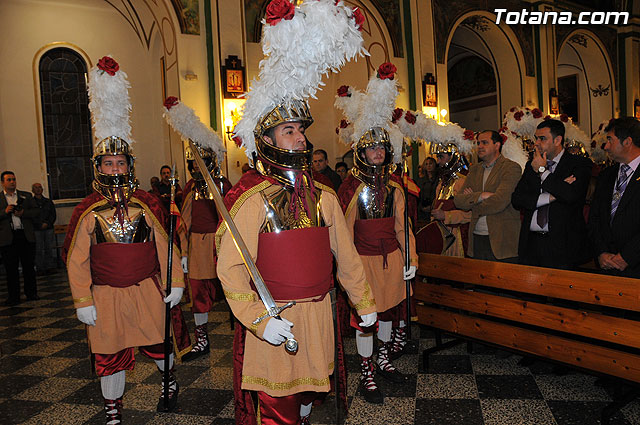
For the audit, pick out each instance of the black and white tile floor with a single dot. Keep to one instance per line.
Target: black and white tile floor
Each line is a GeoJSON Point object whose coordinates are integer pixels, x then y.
{"type": "Point", "coordinates": [45, 378]}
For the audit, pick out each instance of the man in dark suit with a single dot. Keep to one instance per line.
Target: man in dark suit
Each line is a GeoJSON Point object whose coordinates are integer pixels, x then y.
{"type": "Point", "coordinates": [17, 239]}
{"type": "Point", "coordinates": [551, 194]}
{"type": "Point", "coordinates": [614, 219]}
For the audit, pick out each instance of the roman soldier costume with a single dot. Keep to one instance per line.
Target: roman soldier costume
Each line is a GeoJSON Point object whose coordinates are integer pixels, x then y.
{"type": "Point", "coordinates": [292, 226]}
{"type": "Point", "coordinates": [199, 217]}
{"type": "Point", "coordinates": [116, 252]}
{"type": "Point", "coordinates": [451, 181]}
{"type": "Point", "coordinates": [373, 202]}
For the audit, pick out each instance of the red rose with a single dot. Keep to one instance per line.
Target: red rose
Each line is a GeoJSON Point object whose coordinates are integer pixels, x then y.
{"type": "Point", "coordinates": [397, 114]}
{"type": "Point", "coordinates": [359, 17]}
{"type": "Point", "coordinates": [537, 113]}
{"type": "Point", "coordinates": [237, 140]}
{"type": "Point", "coordinates": [337, 130]}
{"type": "Point", "coordinates": [564, 117]}
{"type": "Point", "coordinates": [344, 123]}
{"type": "Point", "coordinates": [469, 135]}
{"type": "Point", "coordinates": [502, 129]}
{"type": "Point", "coordinates": [518, 115]}
{"type": "Point", "coordinates": [387, 70]}
{"type": "Point", "coordinates": [170, 102]}
{"type": "Point", "coordinates": [344, 91]}
{"type": "Point", "coordinates": [504, 137]}
{"type": "Point", "coordinates": [411, 119]}
{"type": "Point", "coordinates": [108, 65]}
{"type": "Point", "coordinates": [279, 10]}
{"type": "Point", "coordinates": [548, 117]}
{"type": "Point", "coordinates": [512, 109]}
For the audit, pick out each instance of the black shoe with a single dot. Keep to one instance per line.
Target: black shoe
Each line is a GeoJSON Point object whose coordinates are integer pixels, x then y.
{"type": "Point", "coordinates": [392, 375]}
{"type": "Point", "coordinates": [174, 389]}
{"type": "Point", "coordinates": [373, 395]}
{"type": "Point", "coordinates": [193, 354]}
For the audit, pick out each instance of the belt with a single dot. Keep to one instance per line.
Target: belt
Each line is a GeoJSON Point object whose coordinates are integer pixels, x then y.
{"type": "Point", "coordinates": [541, 234]}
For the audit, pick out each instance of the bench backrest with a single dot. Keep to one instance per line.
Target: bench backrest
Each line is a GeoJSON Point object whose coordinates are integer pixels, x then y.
{"type": "Point", "coordinates": [551, 313]}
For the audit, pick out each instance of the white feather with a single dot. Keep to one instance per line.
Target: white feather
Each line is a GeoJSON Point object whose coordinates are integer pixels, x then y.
{"type": "Point", "coordinates": [109, 104]}
{"type": "Point", "coordinates": [319, 39]}
{"type": "Point", "coordinates": [184, 120]}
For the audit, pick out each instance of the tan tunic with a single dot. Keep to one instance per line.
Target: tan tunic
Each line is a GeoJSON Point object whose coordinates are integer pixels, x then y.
{"type": "Point", "coordinates": [267, 367]}
{"type": "Point", "coordinates": [388, 284]}
{"type": "Point", "coordinates": [199, 248]}
{"type": "Point", "coordinates": [127, 317]}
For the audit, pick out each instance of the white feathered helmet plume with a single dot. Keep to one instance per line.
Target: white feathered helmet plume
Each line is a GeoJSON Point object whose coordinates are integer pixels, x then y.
{"type": "Point", "coordinates": [370, 115]}
{"type": "Point", "coordinates": [185, 122]}
{"type": "Point", "coordinates": [110, 109]}
{"type": "Point", "coordinates": [300, 44]}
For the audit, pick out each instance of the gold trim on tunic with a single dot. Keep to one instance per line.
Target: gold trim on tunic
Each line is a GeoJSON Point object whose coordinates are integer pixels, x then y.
{"type": "Point", "coordinates": [240, 296]}
{"type": "Point", "coordinates": [254, 380]}
{"type": "Point", "coordinates": [367, 300]}
{"type": "Point", "coordinates": [83, 299]}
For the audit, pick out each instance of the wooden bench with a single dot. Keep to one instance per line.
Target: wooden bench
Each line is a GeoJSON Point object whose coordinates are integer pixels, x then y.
{"type": "Point", "coordinates": [589, 321]}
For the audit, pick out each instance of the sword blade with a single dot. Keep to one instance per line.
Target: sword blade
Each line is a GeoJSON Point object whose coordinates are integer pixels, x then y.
{"type": "Point", "coordinates": [258, 281]}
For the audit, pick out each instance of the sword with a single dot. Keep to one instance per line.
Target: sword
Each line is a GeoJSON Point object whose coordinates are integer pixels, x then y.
{"type": "Point", "coordinates": [291, 345]}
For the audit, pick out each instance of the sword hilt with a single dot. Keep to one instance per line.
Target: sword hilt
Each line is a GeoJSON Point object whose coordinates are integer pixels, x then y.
{"type": "Point", "coordinates": [291, 345]}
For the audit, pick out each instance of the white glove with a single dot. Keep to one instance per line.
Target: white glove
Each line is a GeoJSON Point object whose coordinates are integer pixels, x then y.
{"type": "Point", "coordinates": [185, 264]}
{"type": "Point", "coordinates": [277, 331]}
{"type": "Point", "coordinates": [369, 319]}
{"type": "Point", "coordinates": [87, 315]}
{"type": "Point", "coordinates": [174, 297]}
{"type": "Point", "coordinates": [411, 273]}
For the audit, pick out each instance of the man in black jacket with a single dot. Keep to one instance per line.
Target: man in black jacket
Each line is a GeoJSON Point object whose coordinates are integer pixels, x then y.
{"type": "Point", "coordinates": [43, 227]}
{"type": "Point", "coordinates": [17, 240]}
{"type": "Point", "coordinates": [614, 219]}
{"type": "Point", "coordinates": [551, 193]}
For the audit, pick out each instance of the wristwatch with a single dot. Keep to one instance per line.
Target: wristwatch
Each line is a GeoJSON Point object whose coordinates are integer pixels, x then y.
{"type": "Point", "coordinates": [542, 169]}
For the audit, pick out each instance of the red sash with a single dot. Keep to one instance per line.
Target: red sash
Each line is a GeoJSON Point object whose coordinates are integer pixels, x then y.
{"type": "Point", "coordinates": [204, 216]}
{"type": "Point", "coordinates": [376, 236]}
{"type": "Point", "coordinates": [123, 264]}
{"type": "Point", "coordinates": [309, 275]}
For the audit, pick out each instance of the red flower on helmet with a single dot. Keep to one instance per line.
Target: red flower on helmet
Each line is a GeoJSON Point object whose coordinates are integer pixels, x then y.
{"type": "Point", "coordinates": [411, 119]}
{"type": "Point", "coordinates": [344, 123]}
{"type": "Point", "coordinates": [387, 70]}
{"type": "Point", "coordinates": [518, 115]}
{"type": "Point", "coordinates": [537, 113]}
{"type": "Point", "coordinates": [359, 17]}
{"type": "Point", "coordinates": [548, 117]}
{"type": "Point", "coordinates": [279, 10]}
{"type": "Point", "coordinates": [396, 115]}
{"type": "Point", "coordinates": [170, 102]}
{"type": "Point", "coordinates": [564, 117]}
{"type": "Point", "coordinates": [343, 91]}
{"type": "Point", "coordinates": [469, 135]}
{"type": "Point", "coordinates": [109, 65]}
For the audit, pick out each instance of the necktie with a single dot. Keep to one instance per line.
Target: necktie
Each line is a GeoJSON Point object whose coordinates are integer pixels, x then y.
{"type": "Point", "coordinates": [543, 211]}
{"type": "Point", "coordinates": [621, 184]}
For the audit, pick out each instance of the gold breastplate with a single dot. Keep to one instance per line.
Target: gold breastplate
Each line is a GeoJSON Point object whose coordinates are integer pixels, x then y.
{"type": "Point", "coordinates": [107, 228]}
{"type": "Point", "coordinates": [447, 188]}
{"type": "Point", "coordinates": [276, 200]}
{"type": "Point", "coordinates": [369, 208]}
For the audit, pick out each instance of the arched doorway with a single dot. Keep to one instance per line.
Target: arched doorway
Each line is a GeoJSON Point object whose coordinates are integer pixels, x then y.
{"type": "Point", "coordinates": [585, 80]}
{"type": "Point", "coordinates": [485, 72]}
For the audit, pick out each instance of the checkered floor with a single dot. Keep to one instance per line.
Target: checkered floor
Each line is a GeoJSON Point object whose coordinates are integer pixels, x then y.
{"type": "Point", "coordinates": [45, 379]}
